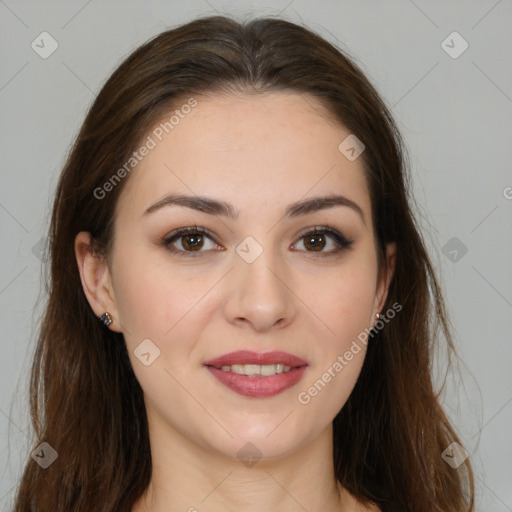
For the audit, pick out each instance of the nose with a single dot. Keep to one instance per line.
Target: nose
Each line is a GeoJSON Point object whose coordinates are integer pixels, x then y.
{"type": "Point", "coordinates": [260, 294]}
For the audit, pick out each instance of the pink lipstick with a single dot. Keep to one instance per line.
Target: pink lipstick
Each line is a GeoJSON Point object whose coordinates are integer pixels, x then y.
{"type": "Point", "coordinates": [256, 374]}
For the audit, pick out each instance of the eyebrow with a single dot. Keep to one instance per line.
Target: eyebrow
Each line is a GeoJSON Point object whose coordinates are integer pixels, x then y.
{"type": "Point", "coordinates": [215, 207]}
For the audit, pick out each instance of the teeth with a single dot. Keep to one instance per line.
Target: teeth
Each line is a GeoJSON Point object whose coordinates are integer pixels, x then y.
{"type": "Point", "coordinates": [252, 370]}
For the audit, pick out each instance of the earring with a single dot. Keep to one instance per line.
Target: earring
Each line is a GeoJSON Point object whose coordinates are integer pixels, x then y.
{"type": "Point", "coordinates": [106, 319]}
{"type": "Point", "coordinates": [377, 315]}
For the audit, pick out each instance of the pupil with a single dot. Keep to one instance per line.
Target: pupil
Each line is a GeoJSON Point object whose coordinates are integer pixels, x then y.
{"type": "Point", "coordinates": [318, 245]}
{"type": "Point", "coordinates": [196, 240]}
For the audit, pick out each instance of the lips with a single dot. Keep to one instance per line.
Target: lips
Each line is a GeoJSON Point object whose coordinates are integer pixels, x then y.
{"type": "Point", "coordinates": [250, 357]}
{"type": "Point", "coordinates": [257, 386]}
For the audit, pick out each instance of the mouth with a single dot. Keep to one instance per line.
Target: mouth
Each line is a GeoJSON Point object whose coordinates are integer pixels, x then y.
{"type": "Point", "coordinates": [251, 358]}
{"type": "Point", "coordinates": [257, 375]}
{"type": "Point", "coordinates": [255, 370]}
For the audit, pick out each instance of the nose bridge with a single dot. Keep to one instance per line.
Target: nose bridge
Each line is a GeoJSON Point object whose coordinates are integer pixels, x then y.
{"type": "Point", "coordinates": [259, 293]}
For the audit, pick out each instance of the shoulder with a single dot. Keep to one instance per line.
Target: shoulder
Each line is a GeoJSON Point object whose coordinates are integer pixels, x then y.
{"type": "Point", "coordinates": [389, 508]}
{"type": "Point", "coordinates": [372, 507]}
{"type": "Point", "coordinates": [353, 504]}
{"type": "Point", "coordinates": [367, 507]}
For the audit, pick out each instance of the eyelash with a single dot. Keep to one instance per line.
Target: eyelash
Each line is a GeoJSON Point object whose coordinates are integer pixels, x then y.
{"type": "Point", "coordinates": [340, 240]}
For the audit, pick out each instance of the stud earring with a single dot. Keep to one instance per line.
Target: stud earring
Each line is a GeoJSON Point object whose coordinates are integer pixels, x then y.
{"type": "Point", "coordinates": [106, 319]}
{"type": "Point", "coordinates": [377, 315]}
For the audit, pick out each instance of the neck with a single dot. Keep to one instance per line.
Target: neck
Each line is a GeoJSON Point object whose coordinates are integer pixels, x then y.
{"type": "Point", "coordinates": [189, 477]}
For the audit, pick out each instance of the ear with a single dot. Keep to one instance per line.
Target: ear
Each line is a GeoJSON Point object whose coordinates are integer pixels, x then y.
{"type": "Point", "coordinates": [96, 280]}
{"type": "Point", "coordinates": [383, 284]}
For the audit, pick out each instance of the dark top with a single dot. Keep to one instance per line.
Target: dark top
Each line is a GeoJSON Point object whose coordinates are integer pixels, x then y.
{"type": "Point", "coordinates": [386, 507]}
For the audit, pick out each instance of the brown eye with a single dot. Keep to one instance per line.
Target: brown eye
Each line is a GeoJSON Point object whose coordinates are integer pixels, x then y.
{"type": "Point", "coordinates": [319, 238]}
{"type": "Point", "coordinates": [189, 241]}
{"type": "Point", "coordinates": [192, 242]}
{"type": "Point", "coordinates": [315, 241]}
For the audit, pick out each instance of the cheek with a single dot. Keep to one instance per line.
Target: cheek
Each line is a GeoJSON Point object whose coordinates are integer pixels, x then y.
{"type": "Point", "coordinates": [152, 296]}
{"type": "Point", "coordinates": [345, 309]}
{"type": "Point", "coordinates": [344, 302]}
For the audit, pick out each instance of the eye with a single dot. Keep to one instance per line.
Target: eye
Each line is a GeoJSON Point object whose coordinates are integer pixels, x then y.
{"type": "Point", "coordinates": [315, 240]}
{"type": "Point", "coordinates": [193, 239]}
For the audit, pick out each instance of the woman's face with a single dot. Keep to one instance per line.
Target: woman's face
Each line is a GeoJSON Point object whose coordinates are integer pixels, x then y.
{"type": "Point", "coordinates": [251, 281]}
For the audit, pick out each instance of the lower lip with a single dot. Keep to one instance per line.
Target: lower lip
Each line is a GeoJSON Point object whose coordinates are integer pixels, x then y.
{"type": "Point", "coordinates": [258, 387]}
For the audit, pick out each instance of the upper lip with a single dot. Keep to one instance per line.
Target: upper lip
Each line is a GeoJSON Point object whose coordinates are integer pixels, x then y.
{"type": "Point", "coordinates": [250, 357]}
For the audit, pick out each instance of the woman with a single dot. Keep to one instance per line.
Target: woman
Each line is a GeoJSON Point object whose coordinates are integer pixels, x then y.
{"type": "Point", "coordinates": [242, 311]}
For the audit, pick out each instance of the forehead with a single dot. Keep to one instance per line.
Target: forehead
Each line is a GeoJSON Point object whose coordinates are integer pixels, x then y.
{"type": "Point", "coordinates": [255, 151]}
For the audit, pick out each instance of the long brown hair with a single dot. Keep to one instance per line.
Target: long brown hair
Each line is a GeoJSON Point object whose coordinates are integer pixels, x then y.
{"type": "Point", "coordinates": [85, 400]}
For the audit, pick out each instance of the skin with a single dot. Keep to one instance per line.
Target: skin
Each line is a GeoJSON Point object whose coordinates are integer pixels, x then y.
{"type": "Point", "coordinates": [259, 153]}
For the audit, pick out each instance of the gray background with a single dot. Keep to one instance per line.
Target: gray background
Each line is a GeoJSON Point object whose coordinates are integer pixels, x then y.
{"type": "Point", "coordinates": [455, 115]}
